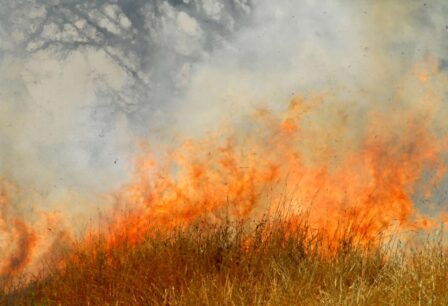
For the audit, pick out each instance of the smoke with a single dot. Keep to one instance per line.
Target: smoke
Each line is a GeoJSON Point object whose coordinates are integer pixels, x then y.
{"type": "Point", "coordinates": [360, 51]}
{"type": "Point", "coordinates": [65, 142]}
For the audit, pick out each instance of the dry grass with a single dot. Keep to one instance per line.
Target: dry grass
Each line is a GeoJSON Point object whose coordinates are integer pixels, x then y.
{"type": "Point", "coordinates": [220, 266]}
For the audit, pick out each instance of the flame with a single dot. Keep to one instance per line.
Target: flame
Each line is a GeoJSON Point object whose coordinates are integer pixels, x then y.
{"type": "Point", "coordinates": [22, 239]}
{"type": "Point", "coordinates": [273, 164]}
{"type": "Point", "coordinates": [277, 164]}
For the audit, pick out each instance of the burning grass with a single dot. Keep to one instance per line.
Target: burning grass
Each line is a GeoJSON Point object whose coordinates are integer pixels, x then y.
{"type": "Point", "coordinates": [359, 182]}
{"type": "Point", "coordinates": [242, 264]}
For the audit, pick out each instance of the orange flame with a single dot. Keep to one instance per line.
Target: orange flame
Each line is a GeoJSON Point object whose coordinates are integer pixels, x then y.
{"type": "Point", "coordinates": [275, 163]}
{"type": "Point", "coordinates": [22, 239]}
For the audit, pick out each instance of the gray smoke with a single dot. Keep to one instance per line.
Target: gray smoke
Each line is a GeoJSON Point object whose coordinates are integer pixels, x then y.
{"type": "Point", "coordinates": [81, 82]}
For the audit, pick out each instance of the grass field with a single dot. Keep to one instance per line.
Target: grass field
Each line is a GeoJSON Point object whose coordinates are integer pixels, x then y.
{"type": "Point", "coordinates": [266, 264]}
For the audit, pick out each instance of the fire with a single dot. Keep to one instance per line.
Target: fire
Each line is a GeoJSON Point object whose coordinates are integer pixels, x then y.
{"type": "Point", "coordinates": [276, 164]}
{"type": "Point", "coordinates": [25, 238]}
{"type": "Point", "coordinates": [19, 238]}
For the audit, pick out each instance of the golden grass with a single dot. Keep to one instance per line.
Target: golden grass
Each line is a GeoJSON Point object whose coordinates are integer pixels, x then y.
{"type": "Point", "coordinates": [241, 265]}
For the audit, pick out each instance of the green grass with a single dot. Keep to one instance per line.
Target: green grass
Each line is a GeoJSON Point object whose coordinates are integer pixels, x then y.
{"type": "Point", "coordinates": [241, 265]}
